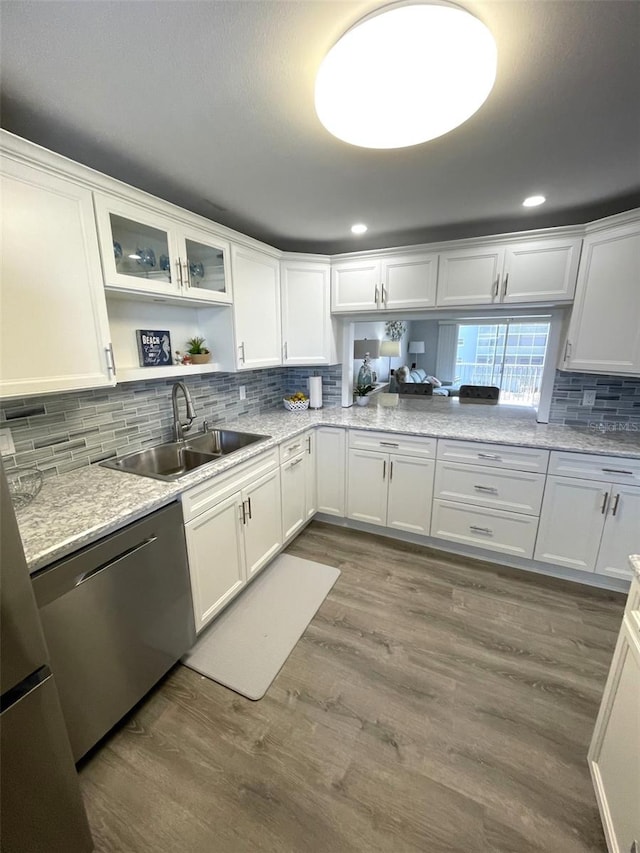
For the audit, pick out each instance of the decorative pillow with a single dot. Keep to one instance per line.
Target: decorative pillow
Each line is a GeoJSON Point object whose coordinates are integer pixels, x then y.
{"type": "Point", "coordinates": [419, 375]}
{"type": "Point", "coordinates": [435, 382]}
{"type": "Point", "coordinates": [402, 374]}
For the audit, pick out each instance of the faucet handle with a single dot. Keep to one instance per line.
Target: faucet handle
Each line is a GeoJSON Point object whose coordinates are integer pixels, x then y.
{"type": "Point", "coordinates": [205, 425]}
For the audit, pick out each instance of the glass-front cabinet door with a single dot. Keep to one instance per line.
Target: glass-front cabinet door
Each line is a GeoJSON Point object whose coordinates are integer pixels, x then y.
{"type": "Point", "coordinates": [137, 248]}
{"type": "Point", "coordinates": [149, 253]}
{"type": "Point", "coordinates": [204, 267]}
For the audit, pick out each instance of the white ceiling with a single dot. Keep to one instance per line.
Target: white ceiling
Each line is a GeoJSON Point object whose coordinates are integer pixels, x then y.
{"type": "Point", "coordinates": [210, 105]}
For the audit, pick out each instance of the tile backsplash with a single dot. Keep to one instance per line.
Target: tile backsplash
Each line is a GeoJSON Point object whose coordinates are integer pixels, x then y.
{"type": "Point", "coordinates": [60, 432]}
{"type": "Point", "coordinates": [617, 405]}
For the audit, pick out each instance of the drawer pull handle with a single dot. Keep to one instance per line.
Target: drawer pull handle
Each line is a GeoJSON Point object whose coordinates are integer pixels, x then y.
{"type": "Point", "coordinates": [490, 489]}
{"type": "Point", "coordinates": [295, 462]}
{"type": "Point", "coordinates": [605, 498]}
{"type": "Point", "coordinates": [389, 444]}
{"type": "Point", "coordinates": [490, 456]}
{"type": "Point", "coordinates": [477, 529]}
{"type": "Point", "coordinates": [617, 471]}
{"type": "Point", "coordinates": [616, 501]}
{"type": "Point", "coordinates": [291, 449]}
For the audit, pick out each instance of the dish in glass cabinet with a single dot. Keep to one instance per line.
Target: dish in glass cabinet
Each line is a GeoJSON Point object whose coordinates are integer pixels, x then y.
{"type": "Point", "coordinates": [164, 262]}
{"type": "Point", "coordinates": [117, 250]}
{"type": "Point", "coordinates": [146, 257]}
{"type": "Point", "coordinates": [196, 270]}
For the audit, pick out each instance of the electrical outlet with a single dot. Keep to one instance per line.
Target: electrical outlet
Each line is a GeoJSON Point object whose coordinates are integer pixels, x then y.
{"type": "Point", "coordinates": [243, 392]}
{"type": "Point", "coordinates": [589, 398]}
{"type": "Point", "coordinates": [6, 443]}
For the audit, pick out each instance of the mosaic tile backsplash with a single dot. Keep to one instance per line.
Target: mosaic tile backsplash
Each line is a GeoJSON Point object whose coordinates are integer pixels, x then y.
{"type": "Point", "coordinates": [60, 432]}
{"type": "Point", "coordinates": [617, 406]}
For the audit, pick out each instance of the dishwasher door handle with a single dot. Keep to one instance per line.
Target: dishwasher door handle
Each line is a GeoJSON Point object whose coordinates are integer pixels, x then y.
{"type": "Point", "coordinates": [95, 571]}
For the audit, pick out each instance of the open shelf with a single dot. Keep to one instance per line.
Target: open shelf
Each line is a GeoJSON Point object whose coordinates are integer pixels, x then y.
{"type": "Point", "coordinates": [132, 374]}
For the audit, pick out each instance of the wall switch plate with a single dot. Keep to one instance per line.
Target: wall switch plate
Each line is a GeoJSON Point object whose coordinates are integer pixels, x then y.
{"type": "Point", "coordinates": [243, 392]}
{"type": "Point", "coordinates": [6, 443]}
{"type": "Point", "coordinates": [589, 398]}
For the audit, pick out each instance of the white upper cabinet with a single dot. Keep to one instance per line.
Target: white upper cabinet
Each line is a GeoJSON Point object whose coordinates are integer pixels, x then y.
{"type": "Point", "coordinates": [470, 276]}
{"type": "Point", "coordinates": [388, 283]}
{"type": "Point", "coordinates": [256, 308]}
{"type": "Point", "coordinates": [518, 272]}
{"type": "Point", "coordinates": [307, 334]}
{"type": "Point", "coordinates": [146, 252]}
{"type": "Point", "coordinates": [604, 334]}
{"type": "Point", "coordinates": [54, 332]}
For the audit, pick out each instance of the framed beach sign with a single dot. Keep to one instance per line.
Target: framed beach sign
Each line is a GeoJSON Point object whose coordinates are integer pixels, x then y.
{"type": "Point", "coordinates": [154, 347]}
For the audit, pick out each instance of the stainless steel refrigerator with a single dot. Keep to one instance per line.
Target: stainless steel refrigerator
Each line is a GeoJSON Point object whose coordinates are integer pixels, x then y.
{"type": "Point", "coordinates": [41, 809]}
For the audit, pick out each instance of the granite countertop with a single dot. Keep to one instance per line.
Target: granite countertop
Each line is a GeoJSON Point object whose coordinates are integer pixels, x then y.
{"type": "Point", "coordinates": [81, 506]}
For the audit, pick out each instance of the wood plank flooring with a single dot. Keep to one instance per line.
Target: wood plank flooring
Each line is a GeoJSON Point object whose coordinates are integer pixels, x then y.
{"type": "Point", "coordinates": [434, 704]}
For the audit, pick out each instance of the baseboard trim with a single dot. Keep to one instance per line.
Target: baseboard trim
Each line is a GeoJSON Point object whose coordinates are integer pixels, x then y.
{"type": "Point", "coordinates": [584, 578]}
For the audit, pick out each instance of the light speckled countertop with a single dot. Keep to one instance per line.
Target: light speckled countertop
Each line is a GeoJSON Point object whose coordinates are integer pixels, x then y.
{"type": "Point", "coordinates": [80, 507]}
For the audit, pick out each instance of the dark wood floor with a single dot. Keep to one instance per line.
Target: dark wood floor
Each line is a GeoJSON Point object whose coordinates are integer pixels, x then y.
{"type": "Point", "coordinates": [433, 704]}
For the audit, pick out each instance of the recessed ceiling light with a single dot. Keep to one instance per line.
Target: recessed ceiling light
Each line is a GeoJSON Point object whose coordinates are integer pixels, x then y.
{"type": "Point", "coordinates": [405, 74]}
{"type": "Point", "coordinates": [360, 228]}
{"type": "Point", "coordinates": [533, 201]}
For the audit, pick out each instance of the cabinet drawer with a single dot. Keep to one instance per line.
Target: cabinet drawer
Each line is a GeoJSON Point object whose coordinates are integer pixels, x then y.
{"type": "Point", "coordinates": [514, 491]}
{"type": "Point", "coordinates": [387, 442]}
{"type": "Point", "coordinates": [206, 495]}
{"type": "Point", "coordinates": [588, 466]}
{"type": "Point", "coordinates": [494, 455]}
{"type": "Point", "coordinates": [506, 532]}
{"type": "Point", "coordinates": [293, 446]}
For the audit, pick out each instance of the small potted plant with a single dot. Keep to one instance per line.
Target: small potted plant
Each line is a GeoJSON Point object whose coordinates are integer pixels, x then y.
{"type": "Point", "coordinates": [362, 394]}
{"type": "Point", "coordinates": [198, 352]}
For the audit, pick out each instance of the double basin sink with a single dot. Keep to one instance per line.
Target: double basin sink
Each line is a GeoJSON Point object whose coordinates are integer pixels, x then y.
{"type": "Point", "coordinates": [176, 458]}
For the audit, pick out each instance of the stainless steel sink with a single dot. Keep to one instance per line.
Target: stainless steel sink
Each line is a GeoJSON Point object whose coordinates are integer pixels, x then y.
{"type": "Point", "coordinates": [222, 442]}
{"type": "Point", "coordinates": [174, 459]}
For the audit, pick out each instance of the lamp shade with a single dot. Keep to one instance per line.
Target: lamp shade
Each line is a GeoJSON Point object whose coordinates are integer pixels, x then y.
{"type": "Point", "coordinates": [416, 346]}
{"type": "Point", "coordinates": [370, 347]}
{"type": "Point", "coordinates": [391, 349]}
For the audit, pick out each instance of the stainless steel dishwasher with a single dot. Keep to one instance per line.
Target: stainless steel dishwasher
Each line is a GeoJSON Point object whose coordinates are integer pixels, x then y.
{"type": "Point", "coordinates": [116, 616]}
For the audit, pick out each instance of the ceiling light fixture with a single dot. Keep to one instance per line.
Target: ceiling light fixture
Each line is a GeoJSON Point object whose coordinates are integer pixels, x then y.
{"type": "Point", "coordinates": [533, 201]}
{"type": "Point", "coordinates": [405, 74]}
{"type": "Point", "coordinates": [359, 228]}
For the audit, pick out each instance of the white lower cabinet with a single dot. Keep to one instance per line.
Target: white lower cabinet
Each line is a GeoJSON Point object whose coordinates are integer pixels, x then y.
{"type": "Point", "coordinates": [310, 474]}
{"type": "Point", "coordinates": [390, 479]}
{"type": "Point", "coordinates": [331, 444]}
{"type": "Point", "coordinates": [294, 510]}
{"type": "Point", "coordinates": [614, 756]}
{"type": "Point", "coordinates": [233, 528]}
{"type": "Point", "coordinates": [589, 525]}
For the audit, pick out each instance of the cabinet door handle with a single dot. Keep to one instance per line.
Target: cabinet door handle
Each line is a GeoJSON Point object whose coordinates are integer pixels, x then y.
{"type": "Point", "coordinates": [384, 468]}
{"type": "Point", "coordinates": [617, 471]}
{"type": "Point", "coordinates": [490, 489]}
{"type": "Point", "coordinates": [496, 287]}
{"type": "Point", "coordinates": [241, 348]}
{"type": "Point", "coordinates": [506, 283]}
{"type": "Point", "coordinates": [391, 471]}
{"type": "Point", "coordinates": [567, 350]}
{"type": "Point", "coordinates": [616, 501]}
{"type": "Point", "coordinates": [179, 266]}
{"type": "Point", "coordinates": [249, 508]}
{"type": "Point", "coordinates": [605, 498]}
{"type": "Point", "coordinates": [490, 456]}
{"type": "Point", "coordinates": [384, 295]}
{"type": "Point", "coordinates": [477, 529]}
{"type": "Point", "coordinates": [309, 445]}
{"type": "Point", "coordinates": [388, 444]}
{"type": "Point", "coordinates": [243, 514]}
{"type": "Point", "coordinates": [187, 277]}
{"type": "Point", "coordinates": [375, 297]}
{"type": "Point", "coordinates": [111, 362]}
{"type": "Point", "coordinates": [285, 352]}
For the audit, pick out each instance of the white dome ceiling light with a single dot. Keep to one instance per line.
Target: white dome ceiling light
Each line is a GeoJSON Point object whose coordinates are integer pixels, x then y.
{"type": "Point", "coordinates": [533, 201]}
{"type": "Point", "coordinates": [406, 74]}
{"type": "Point", "coordinates": [359, 228]}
